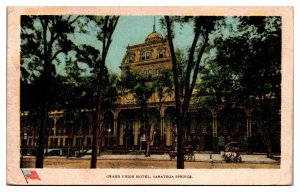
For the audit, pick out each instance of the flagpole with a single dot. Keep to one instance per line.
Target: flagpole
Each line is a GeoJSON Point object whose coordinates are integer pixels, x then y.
{"type": "Point", "coordinates": [24, 176]}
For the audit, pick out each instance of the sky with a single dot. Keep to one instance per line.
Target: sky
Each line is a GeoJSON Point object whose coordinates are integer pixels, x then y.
{"type": "Point", "coordinates": [133, 30]}
{"type": "Point", "coordinates": [130, 30]}
{"type": "Point", "coordinates": [3, 57]}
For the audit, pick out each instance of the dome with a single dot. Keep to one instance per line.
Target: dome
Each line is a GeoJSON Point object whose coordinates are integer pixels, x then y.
{"type": "Point", "coordinates": [153, 37]}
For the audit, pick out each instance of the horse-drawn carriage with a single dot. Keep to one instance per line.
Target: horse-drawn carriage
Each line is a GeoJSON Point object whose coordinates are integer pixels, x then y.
{"type": "Point", "coordinates": [231, 153]}
{"type": "Point", "coordinates": [188, 154]}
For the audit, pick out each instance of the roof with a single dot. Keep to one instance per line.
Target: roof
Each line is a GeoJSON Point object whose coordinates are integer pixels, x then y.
{"type": "Point", "coordinates": [153, 36]}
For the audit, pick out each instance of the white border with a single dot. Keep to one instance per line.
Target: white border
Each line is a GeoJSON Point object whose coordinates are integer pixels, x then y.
{"type": "Point", "coordinates": [137, 3]}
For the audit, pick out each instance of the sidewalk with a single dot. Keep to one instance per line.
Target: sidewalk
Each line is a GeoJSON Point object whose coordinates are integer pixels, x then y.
{"type": "Point", "coordinates": [199, 157]}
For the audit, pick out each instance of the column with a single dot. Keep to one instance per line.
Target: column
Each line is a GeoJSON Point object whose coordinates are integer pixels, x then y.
{"type": "Point", "coordinates": [162, 131]}
{"type": "Point", "coordinates": [249, 134]}
{"type": "Point", "coordinates": [49, 140]}
{"type": "Point", "coordinates": [84, 141]}
{"type": "Point", "coordinates": [151, 136]}
{"type": "Point", "coordinates": [115, 131]}
{"type": "Point", "coordinates": [121, 133]}
{"type": "Point", "coordinates": [215, 132]}
{"type": "Point", "coordinates": [136, 132]}
{"type": "Point", "coordinates": [58, 141]}
{"type": "Point", "coordinates": [162, 128]}
{"type": "Point", "coordinates": [90, 123]}
{"type": "Point", "coordinates": [168, 134]}
{"type": "Point", "coordinates": [54, 125]}
{"type": "Point", "coordinates": [250, 126]}
{"type": "Point", "coordinates": [64, 141]}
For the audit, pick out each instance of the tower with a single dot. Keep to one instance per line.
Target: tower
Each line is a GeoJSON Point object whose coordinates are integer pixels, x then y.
{"type": "Point", "coordinates": [148, 58]}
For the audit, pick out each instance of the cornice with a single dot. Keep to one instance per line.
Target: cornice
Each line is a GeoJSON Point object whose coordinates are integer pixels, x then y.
{"type": "Point", "coordinates": [147, 62]}
{"type": "Point", "coordinates": [147, 44]}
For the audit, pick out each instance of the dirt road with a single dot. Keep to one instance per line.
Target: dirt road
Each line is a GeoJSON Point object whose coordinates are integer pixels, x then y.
{"type": "Point", "coordinates": [144, 164]}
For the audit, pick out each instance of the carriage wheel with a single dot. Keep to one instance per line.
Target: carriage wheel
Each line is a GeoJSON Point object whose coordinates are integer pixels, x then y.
{"type": "Point", "coordinates": [227, 159]}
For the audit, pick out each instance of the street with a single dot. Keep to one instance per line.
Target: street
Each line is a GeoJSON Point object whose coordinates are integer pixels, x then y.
{"type": "Point", "coordinates": [203, 161]}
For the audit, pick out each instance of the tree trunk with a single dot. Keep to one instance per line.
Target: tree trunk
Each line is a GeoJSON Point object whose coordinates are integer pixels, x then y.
{"type": "Point", "coordinates": [180, 141]}
{"type": "Point", "coordinates": [44, 116]}
{"type": "Point", "coordinates": [146, 127]}
{"type": "Point", "coordinates": [96, 124]}
{"type": "Point", "coordinates": [269, 143]}
{"type": "Point", "coordinates": [180, 148]}
{"type": "Point", "coordinates": [70, 144]}
{"type": "Point", "coordinates": [96, 130]}
{"type": "Point", "coordinates": [100, 140]}
{"type": "Point", "coordinates": [108, 29]}
{"type": "Point", "coordinates": [179, 114]}
{"type": "Point", "coordinates": [41, 140]}
{"type": "Point", "coordinates": [147, 153]}
{"type": "Point", "coordinates": [45, 78]}
{"type": "Point", "coordinates": [267, 129]}
{"type": "Point", "coordinates": [249, 146]}
{"type": "Point", "coordinates": [268, 135]}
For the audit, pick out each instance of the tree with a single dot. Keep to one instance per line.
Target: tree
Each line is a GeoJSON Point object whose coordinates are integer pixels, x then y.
{"type": "Point", "coordinates": [43, 39]}
{"type": "Point", "coordinates": [107, 26]}
{"type": "Point", "coordinates": [46, 42]}
{"type": "Point", "coordinates": [261, 74]}
{"type": "Point", "coordinates": [78, 92]}
{"type": "Point", "coordinates": [163, 88]}
{"type": "Point", "coordinates": [246, 71]}
{"type": "Point", "coordinates": [142, 89]}
{"type": "Point", "coordinates": [183, 93]}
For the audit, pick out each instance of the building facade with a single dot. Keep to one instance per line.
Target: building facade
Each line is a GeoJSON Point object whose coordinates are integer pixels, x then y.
{"type": "Point", "coordinates": [207, 130]}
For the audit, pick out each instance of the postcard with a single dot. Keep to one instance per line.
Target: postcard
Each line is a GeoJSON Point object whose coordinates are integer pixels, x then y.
{"type": "Point", "coordinates": [150, 95]}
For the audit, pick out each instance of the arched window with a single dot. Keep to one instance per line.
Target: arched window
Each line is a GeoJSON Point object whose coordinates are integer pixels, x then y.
{"type": "Point", "coordinates": [161, 54]}
{"type": "Point", "coordinates": [143, 56]}
{"type": "Point", "coordinates": [145, 72]}
{"type": "Point", "coordinates": [148, 55]}
{"type": "Point", "coordinates": [131, 58]}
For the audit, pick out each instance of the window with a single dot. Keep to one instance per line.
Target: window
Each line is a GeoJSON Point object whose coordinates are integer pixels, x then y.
{"type": "Point", "coordinates": [66, 142]}
{"type": "Point", "coordinates": [70, 141]}
{"type": "Point", "coordinates": [149, 73]}
{"type": "Point", "coordinates": [77, 142]}
{"type": "Point", "coordinates": [55, 143]}
{"type": "Point", "coordinates": [143, 56]}
{"type": "Point", "coordinates": [161, 53]}
{"type": "Point", "coordinates": [148, 55]}
{"type": "Point", "coordinates": [157, 71]}
{"type": "Point", "coordinates": [131, 58]}
{"type": "Point", "coordinates": [89, 141]}
{"type": "Point", "coordinates": [51, 141]}
{"type": "Point", "coordinates": [145, 72]}
{"type": "Point", "coordinates": [30, 141]}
